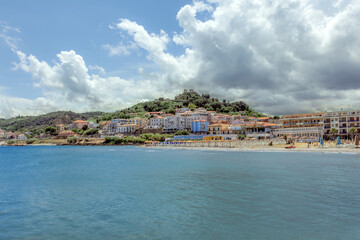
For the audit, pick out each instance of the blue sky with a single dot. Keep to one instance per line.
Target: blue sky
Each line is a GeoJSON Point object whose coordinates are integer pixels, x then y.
{"type": "Point", "coordinates": [278, 56]}
{"type": "Point", "coordinates": [48, 27]}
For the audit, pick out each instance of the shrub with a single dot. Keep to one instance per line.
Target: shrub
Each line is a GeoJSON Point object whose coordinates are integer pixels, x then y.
{"type": "Point", "coordinates": [91, 131]}
{"type": "Point", "coordinates": [72, 140]}
{"type": "Point", "coordinates": [241, 137]}
{"type": "Point", "coordinates": [30, 141]}
{"type": "Point", "coordinates": [182, 132]}
{"type": "Point", "coordinates": [11, 142]}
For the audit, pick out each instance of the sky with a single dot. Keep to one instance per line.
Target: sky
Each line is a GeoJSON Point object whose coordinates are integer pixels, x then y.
{"type": "Point", "coordinates": [278, 56]}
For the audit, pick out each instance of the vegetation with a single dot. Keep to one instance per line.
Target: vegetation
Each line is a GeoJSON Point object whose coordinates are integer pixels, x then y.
{"type": "Point", "coordinates": [11, 142]}
{"type": "Point", "coordinates": [181, 132]}
{"type": "Point", "coordinates": [37, 124]}
{"type": "Point", "coordinates": [188, 99]}
{"type": "Point", "coordinates": [91, 131]}
{"type": "Point", "coordinates": [72, 139]}
{"type": "Point", "coordinates": [123, 140]}
{"type": "Point", "coordinates": [241, 137]}
{"type": "Point", "coordinates": [30, 141]}
{"type": "Point", "coordinates": [352, 131]}
{"type": "Point", "coordinates": [155, 137]}
{"type": "Point", "coordinates": [51, 130]}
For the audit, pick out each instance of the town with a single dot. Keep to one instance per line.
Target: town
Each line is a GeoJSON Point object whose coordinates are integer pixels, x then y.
{"type": "Point", "coordinates": [200, 124]}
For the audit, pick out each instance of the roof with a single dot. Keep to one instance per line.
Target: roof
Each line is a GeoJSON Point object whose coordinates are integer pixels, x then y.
{"type": "Point", "coordinates": [80, 121]}
{"type": "Point", "coordinates": [263, 118]}
{"type": "Point", "coordinates": [199, 121]}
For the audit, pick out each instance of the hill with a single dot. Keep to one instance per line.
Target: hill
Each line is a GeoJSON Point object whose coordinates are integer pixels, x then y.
{"type": "Point", "coordinates": [31, 123]}
{"type": "Point", "coordinates": [187, 99]}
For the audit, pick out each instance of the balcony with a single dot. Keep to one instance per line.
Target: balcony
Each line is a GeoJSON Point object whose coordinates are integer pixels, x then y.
{"type": "Point", "coordinates": [342, 127]}
{"type": "Point", "coordinates": [326, 126]}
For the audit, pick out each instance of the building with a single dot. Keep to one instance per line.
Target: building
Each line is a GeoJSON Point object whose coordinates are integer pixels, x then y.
{"type": "Point", "coordinates": [127, 128]}
{"type": "Point", "coordinates": [345, 123]}
{"type": "Point", "coordinates": [157, 122]}
{"type": "Point", "coordinates": [114, 125]}
{"type": "Point", "coordinates": [174, 123]}
{"type": "Point", "coordinates": [2, 134]}
{"type": "Point", "coordinates": [153, 113]}
{"type": "Point", "coordinates": [200, 126]}
{"type": "Point", "coordinates": [307, 125]}
{"type": "Point", "coordinates": [93, 125]}
{"type": "Point", "coordinates": [79, 124]}
{"type": "Point", "coordinates": [141, 122]}
{"type": "Point", "coordinates": [219, 128]}
{"type": "Point", "coordinates": [66, 134]}
{"type": "Point", "coordinates": [60, 127]}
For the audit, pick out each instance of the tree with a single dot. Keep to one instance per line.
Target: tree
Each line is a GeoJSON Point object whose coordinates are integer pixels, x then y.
{"type": "Point", "coordinates": [192, 106]}
{"type": "Point", "coordinates": [182, 132]}
{"type": "Point", "coordinates": [241, 137]}
{"type": "Point", "coordinates": [352, 131]}
{"type": "Point", "coordinates": [51, 130]}
{"type": "Point", "coordinates": [276, 117]}
{"type": "Point", "coordinates": [85, 127]}
{"type": "Point", "coordinates": [333, 131]}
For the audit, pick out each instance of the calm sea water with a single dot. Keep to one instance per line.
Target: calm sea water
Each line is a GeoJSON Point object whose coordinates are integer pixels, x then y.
{"type": "Point", "coordinates": [136, 193]}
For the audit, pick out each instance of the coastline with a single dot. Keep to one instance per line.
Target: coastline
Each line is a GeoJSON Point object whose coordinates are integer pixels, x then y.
{"type": "Point", "coordinates": [264, 149]}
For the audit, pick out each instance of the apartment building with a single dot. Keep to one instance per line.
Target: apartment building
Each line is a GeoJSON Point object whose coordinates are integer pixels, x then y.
{"type": "Point", "coordinates": [301, 125]}
{"type": "Point", "coordinates": [342, 121]}
{"type": "Point", "coordinates": [174, 123]}
{"type": "Point", "coordinates": [141, 122]}
{"type": "Point", "coordinates": [127, 128]}
{"type": "Point", "coordinates": [157, 122]}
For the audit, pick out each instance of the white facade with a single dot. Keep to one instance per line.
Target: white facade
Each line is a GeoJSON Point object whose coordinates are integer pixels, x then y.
{"type": "Point", "coordinates": [126, 128]}
{"type": "Point", "coordinates": [174, 123]}
{"type": "Point", "coordinates": [157, 122]}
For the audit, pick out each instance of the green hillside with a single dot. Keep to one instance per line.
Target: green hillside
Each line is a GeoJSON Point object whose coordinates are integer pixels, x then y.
{"type": "Point", "coordinates": [30, 123]}
{"type": "Point", "coordinates": [187, 99]}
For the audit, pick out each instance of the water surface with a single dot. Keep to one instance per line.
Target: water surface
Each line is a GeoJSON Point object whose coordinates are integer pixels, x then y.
{"type": "Point", "coordinates": [67, 192]}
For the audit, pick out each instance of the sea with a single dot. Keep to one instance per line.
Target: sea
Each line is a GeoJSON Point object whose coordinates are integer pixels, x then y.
{"type": "Point", "coordinates": [129, 192]}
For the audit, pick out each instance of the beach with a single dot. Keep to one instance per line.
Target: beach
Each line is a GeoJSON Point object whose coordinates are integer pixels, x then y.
{"type": "Point", "coordinates": [280, 148]}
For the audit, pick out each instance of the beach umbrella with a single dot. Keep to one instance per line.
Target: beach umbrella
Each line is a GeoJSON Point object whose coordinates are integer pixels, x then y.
{"type": "Point", "coordinates": [356, 140]}
{"type": "Point", "coordinates": [321, 141]}
{"type": "Point", "coordinates": [338, 142]}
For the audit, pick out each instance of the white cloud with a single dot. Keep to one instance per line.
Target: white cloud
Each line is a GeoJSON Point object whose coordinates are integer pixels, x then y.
{"type": "Point", "coordinates": [120, 49]}
{"type": "Point", "coordinates": [271, 54]}
{"type": "Point", "coordinates": [101, 70]}
{"type": "Point", "coordinates": [7, 35]}
{"type": "Point", "coordinates": [67, 85]}
{"type": "Point", "coordinates": [278, 56]}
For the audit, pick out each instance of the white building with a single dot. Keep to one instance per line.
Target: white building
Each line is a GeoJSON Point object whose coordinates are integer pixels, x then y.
{"type": "Point", "coordinates": [127, 128]}
{"type": "Point", "coordinates": [174, 123]}
{"type": "Point", "coordinates": [157, 122]}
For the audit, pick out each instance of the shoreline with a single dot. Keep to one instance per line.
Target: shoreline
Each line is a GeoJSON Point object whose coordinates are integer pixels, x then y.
{"type": "Point", "coordinates": [264, 149]}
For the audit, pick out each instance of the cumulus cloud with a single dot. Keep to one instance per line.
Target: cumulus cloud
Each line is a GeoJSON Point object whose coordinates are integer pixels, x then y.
{"type": "Point", "coordinates": [279, 56]}
{"type": "Point", "coordinates": [68, 85]}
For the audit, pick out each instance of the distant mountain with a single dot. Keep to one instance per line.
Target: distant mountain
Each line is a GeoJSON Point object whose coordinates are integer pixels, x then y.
{"type": "Point", "coordinates": [188, 99]}
{"type": "Point", "coordinates": [30, 123]}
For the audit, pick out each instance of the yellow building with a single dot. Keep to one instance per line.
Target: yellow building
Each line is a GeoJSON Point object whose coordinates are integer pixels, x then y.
{"type": "Point", "coordinates": [141, 122]}
{"type": "Point", "coordinates": [219, 128]}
